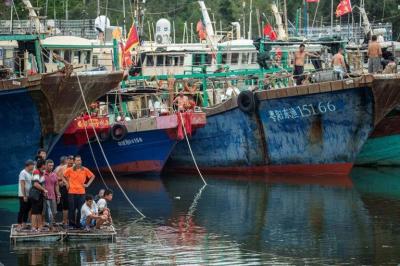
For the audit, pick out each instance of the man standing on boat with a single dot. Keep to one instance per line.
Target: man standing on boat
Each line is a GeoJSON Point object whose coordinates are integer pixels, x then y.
{"type": "Point", "coordinates": [24, 185]}
{"type": "Point", "coordinates": [374, 55]}
{"type": "Point", "coordinates": [78, 179]}
{"type": "Point", "coordinates": [299, 61]}
{"type": "Point", "coordinates": [338, 63]}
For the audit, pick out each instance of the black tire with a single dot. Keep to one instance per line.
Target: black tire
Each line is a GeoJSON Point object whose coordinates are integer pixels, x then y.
{"type": "Point", "coordinates": [247, 102]}
{"type": "Point", "coordinates": [118, 132]}
{"type": "Point", "coordinates": [104, 135]}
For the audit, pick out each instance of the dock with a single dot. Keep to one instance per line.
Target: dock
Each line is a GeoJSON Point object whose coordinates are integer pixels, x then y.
{"type": "Point", "coordinates": [59, 234]}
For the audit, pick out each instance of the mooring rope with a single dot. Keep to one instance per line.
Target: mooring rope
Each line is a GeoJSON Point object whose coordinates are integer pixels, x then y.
{"type": "Point", "coordinates": [93, 156]}
{"type": "Point", "coordinates": [190, 149]}
{"type": "Point", "coordinates": [102, 150]}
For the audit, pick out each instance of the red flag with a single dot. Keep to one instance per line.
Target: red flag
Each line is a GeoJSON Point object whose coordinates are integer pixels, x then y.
{"type": "Point", "coordinates": [269, 31]}
{"type": "Point", "coordinates": [343, 8]}
{"type": "Point", "coordinates": [132, 40]}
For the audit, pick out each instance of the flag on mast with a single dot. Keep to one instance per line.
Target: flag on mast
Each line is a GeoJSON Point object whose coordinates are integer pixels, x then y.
{"type": "Point", "coordinates": [343, 8]}
{"type": "Point", "coordinates": [132, 40]}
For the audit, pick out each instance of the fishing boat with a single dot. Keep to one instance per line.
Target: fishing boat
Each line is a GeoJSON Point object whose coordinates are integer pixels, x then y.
{"type": "Point", "coordinates": [37, 106]}
{"type": "Point", "coordinates": [310, 129]}
{"type": "Point", "coordinates": [137, 136]}
{"type": "Point", "coordinates": [383, 146]}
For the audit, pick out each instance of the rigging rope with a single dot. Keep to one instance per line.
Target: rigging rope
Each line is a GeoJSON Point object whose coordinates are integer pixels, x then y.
{"type": "Point", "coordinates": [93, 156]}
{"type": "Point", "coordinates": [190, 149]}
{"type": "Point", "coordinates": [102, 150]}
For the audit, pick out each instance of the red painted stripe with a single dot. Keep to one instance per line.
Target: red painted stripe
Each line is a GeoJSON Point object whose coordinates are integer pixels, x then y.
{"type": "Point", "coordinates": [320, 170]}
{"type": "Point", "coordinates": [135, 167]}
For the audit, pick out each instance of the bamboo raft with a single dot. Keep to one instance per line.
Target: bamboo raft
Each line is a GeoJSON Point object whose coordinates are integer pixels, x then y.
{"type": "Point", "coordinates": [59, 234]}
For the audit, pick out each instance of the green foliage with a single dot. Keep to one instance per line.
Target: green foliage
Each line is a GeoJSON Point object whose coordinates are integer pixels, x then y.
{"type": "Point", "coordinates": [223, 11]}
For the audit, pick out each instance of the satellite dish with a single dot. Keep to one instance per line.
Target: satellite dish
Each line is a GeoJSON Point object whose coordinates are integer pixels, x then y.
{"type": "Point", "coordinates": [101, 23]}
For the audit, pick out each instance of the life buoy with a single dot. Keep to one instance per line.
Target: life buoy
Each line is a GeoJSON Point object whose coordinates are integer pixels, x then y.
{"type": "Point", "coordinates": [118, 132]}
{"type": "Point", "coordinates": [104, 135]}
{"type": "Point", "coordinates": [247, 101]}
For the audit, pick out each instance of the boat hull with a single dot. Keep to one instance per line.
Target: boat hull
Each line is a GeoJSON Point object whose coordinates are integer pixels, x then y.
{"type": "Point", "coordinates": [139, 152]}
{"type": "Point", "coordinates": [383, 147]}
{"type": "Point", "coordinates": [34, 111]}
{"type": "Point", "coordinates": [293, 131]}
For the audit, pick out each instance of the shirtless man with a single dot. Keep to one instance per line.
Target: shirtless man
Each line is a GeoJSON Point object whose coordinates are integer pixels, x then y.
{"type": "Point", "coordinates": [374, 54]}
{"type": "Point", "coordinates": [181, 100]}
{"type": "Point", "coordinates": [299, 60]}
{"type": "Point", "coordinates": [338, 63]}
{"type": "Point", "coordinates": [63, 187]}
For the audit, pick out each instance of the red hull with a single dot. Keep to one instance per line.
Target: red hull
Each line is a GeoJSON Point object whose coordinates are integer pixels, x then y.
{"type": "Point", "coordinates": [336, 169]}
{"type": "Point", "coordinates": [135, 167]}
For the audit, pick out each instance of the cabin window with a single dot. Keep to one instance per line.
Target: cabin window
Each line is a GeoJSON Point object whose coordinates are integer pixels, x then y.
{"type": "Point", "coordinates": [171, 60]}
{"type": "Point", "coordinates": [224, 58]}
{"type": "Point", "coordinates": [245, 58]}
{"type": "Point", "coordinates": [95, 62]}
{"type": "Point", "coordinates": [55, 52]}
{"type": "Point", "coordinates": [46, 55]}
{"type": "Point", "coordinates": [181, 60]}
{"type": "Point", "coordinates": [67, 55]}
{"type": "Point", "coordinates": [77, 57]}
{"type": "Point", "coordinates": [197, 59]}
{"type": "Point", "coordinates": [160, 60]}
{"type": "Point", "coordinates": [254, 58]}
{"type": "Point", "coordinates": [86, 57]}
{"type": "Point", "coordinates": [150, 60]}
{"type": "Point", "coordinates": [208, 60]}
{"type": "Point", "coordinates": [234, 58]}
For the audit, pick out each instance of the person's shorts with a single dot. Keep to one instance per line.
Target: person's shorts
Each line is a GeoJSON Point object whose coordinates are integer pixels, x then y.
{"type": "Point", "coordinates": [92, 223]}
{"type": "Point", "coordinates": [37, 206]}
{"type": "Point", "coordinates": [63, 205]}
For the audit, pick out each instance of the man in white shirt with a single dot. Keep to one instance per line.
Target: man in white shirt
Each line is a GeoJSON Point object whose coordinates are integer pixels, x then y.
{"type": "Point", "coordinates": [24, 185]}
{"type": "Point", "coordinates": [102, 205]}
{"type": "Point", "coordinates": [89, 214]}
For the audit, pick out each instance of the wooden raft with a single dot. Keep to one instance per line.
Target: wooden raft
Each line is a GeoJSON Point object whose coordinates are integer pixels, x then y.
{"type": "Point", "coordinates": [60, 234]}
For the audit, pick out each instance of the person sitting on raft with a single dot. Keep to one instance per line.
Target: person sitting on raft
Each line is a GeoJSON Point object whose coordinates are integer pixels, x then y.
{"type": "Point", "coordinates": [89, 214]}
{"type": "Point", "coordinates": [102, 205]}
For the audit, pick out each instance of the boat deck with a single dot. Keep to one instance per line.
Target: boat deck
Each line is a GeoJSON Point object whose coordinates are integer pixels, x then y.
{"type": "Point", "coordinates": [59, 234]}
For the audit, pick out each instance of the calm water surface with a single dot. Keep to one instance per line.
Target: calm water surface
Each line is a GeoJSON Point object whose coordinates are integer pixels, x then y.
{"type": "Point", "coordinates": [241, 221]}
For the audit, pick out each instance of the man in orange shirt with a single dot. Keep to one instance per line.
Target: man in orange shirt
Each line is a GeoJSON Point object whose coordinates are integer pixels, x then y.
{"type": "Point", "coordinates": [78, 178]}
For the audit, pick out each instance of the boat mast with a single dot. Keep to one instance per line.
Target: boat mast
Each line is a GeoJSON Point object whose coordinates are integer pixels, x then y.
{"type": "Point", "coordinates": [278, 19]}
{"type": "Point", "coordinates": [250, 21]}
{"type": "Point", "coordinates": [33, 15]}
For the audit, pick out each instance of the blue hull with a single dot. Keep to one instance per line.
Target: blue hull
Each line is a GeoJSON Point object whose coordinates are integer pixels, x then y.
{"type": "Point", "coordinates": [139, 152]}
{"type": "Point", "coordinates": [20, 136]}
{"type": "Point", "coordinates": [320, 133]}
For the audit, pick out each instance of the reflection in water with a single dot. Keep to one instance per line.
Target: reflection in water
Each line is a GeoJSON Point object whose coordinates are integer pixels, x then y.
{"type": "Point", "coordinates": [242, 221]}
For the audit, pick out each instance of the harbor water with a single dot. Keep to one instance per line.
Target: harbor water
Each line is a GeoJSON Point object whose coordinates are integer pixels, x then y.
{"type": "Point", "coordinates": [238, 220]}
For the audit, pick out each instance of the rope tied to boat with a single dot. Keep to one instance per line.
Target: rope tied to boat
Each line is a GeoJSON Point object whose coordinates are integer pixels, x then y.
{"type": "Point", "coordinates": [190, 148]}
{"type": "Point", "coordinates": [103, 153]}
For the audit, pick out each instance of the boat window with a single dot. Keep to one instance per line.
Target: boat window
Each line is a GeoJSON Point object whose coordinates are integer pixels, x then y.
{"type": "Point", "coordinates": [56, 52]}
{"type": "Point", "coordinates": [208, 60]}
{"type": "Point", "coordinates": [160, 60]}
{"type": "Point", "coordinates": [77, 57]}
{"type": "Point", "coordinates": [254, 58]}
{"type": "Point", "coordinates": [224, 58]}
{"type": "Point", "coordinates": [86, 57]}
{"type": "Point", "coordinates": [67, 56]}
{"type": "Point", "coordinates": [95, 62]}
{"type": "Point", "coordinates": [171, 60]}
{"type": "Point", "coordinates": [197, 59]}
{"type": "Point", "coordinates": [234, 58]}
{"type": "Point", "coordinates": [149, 60]}
{"type": "Point", "coordinates": [245, 58]}
{"type": "Point", "coordinates": [46, 55]}
{"type": "Point", "coordinates": [181, 60]}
